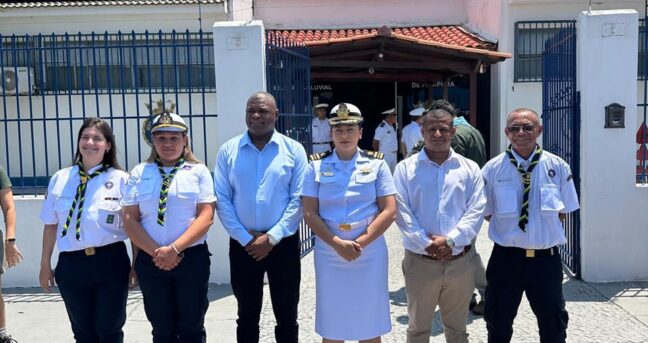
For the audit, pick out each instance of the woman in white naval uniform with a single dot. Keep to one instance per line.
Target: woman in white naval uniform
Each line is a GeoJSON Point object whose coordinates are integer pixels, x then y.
{"type": "Point", "coordinates": [348, 198]}
{"type": "Point", "coordinates": [82, 215]}
{"type": "Point", "coordinates": [168, 209]}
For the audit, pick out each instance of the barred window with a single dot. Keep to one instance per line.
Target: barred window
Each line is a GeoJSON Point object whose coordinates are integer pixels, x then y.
{"type": "Point", "coordinates": [530, 37]}
{"type": "Point", "coordinates": [113, 63]}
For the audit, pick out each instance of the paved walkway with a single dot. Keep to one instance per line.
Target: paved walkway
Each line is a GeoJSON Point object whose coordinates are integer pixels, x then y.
{"type": "Point", "coordinates": [601, 313]}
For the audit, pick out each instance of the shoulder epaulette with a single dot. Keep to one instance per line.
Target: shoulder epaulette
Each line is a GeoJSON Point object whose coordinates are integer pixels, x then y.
{"type": "Point", "coordinates": [382, 124]}
{"type": "Point", "coordinates": [319, 156]}
{"type": "Point", "coordinates": [372, 154]}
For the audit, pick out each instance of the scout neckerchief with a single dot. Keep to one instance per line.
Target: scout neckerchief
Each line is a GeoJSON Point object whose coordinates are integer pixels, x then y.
{"type": "Point", "coordinates": [166, 183]}
{"type": "Point", "coordinates": [526, 180]}
{"type": "Point", "coordinates": [79, 198]}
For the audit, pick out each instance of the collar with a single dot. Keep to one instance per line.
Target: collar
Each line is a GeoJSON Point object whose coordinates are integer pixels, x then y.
{"type": "Point", "coordinates": [460, 121]}
{"type": "Point", "coordinates": [357, 158]}
{"type": "Point", "coordinates": [423, 157]}
{"type": "Point", "coordinates": [519, 158]}
{"type": "Point", "coordinates": [92, 170]}
{"type": "Point", "coordinates": [245, 140]}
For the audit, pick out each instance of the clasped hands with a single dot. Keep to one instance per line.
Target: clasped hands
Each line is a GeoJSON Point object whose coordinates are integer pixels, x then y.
{"type": "Point", "coordinates": [166, 258]}
{"type": "Point", "coordinates": [439, 248]}
{"type": "Point", "coordinates": [349, 250]}
{"type": "Point", "coordinates": [259, 247]}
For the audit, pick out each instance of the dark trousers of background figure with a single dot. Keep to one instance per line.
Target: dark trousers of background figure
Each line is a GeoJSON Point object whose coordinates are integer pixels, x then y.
{"type": "Point", "coordinates": [94, 290]}
{"type": "Point", "coordinates": [284, 275]}
{"type": "Point", "coordinates": [176, 301]}
{"type": "Point", "coordinates": [509, 274]}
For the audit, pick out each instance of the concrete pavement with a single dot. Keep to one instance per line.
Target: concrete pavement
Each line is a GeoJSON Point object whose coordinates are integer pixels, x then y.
{"type": "Point", "coordinates": [612, 312]}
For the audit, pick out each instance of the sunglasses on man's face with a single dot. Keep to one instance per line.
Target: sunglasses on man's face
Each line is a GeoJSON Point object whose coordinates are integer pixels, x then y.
{"type": "Point", "coordinates": [525, 128]}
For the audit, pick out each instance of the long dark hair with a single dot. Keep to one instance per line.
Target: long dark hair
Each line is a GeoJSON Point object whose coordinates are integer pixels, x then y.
{"type": "Point", "coordinates": [110, 157]}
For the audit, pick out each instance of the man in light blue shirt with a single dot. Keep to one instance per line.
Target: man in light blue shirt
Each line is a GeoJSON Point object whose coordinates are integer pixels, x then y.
{"type": "Point", "coordinates": [258, 180]}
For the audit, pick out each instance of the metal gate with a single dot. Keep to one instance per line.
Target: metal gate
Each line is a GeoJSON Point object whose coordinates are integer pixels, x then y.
{"type": "Point", "coordinates": [561, 121]}
{"type": "Point", "coordinates": [288, 80]}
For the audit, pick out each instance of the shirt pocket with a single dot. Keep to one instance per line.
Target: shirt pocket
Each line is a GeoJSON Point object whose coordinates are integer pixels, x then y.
{"type": "Point", "coordinates": [187, 193]}
{"type": "Point", "coordinates": [506, 202]}
{"type": "Point", "coordinates": [147, 200]}
{"type": "Point", "coordinates": [62, 206]}
{"type": "Point", "coordinates": [550, 202]}
{"type": "Point", "coordinates": [366, 177]}
{"type": "Point", "coordinates": [109, 213]}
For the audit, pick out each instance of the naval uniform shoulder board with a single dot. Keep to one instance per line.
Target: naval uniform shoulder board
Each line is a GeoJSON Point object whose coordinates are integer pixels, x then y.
{"type": "Point", "coordinates": [320, 156]}
{"type": "Point", "coordinates": [372, 154]}
{"type": "Point", "coordinates": [382, 124]}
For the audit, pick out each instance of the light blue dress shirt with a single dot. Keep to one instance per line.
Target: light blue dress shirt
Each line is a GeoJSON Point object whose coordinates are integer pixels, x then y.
{"type": "Point", "coordinates": [347, 192]}
{"type": "Point", "coordinates": [259, 190]}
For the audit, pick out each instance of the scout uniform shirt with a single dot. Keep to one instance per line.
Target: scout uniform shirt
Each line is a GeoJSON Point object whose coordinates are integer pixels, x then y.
{"type": "Point", "coordinates": [552, 192]}
{"type": "Point", "coordinates": [191, 185]}
{"type": "Point", "coordinates": [101, 220]}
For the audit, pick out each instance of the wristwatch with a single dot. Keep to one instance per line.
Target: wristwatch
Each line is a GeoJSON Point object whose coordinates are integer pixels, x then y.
{"type": "Point", "coordinates": [450, 242]}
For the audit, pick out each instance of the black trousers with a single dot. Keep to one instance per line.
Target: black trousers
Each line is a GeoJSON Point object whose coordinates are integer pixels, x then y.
{"type": "Point", "coordinates": [94, 290]}
{"type": "Point", "coordinates": [510, 273]}
{"type": "Point", "coordinates": [284, 275]}
{"type": "Point", "coordinates": [176, 301]}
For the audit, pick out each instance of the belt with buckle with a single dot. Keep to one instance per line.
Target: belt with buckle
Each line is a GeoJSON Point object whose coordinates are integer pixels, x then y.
{"type": "Point", "coordinates": [452, 258]}
{"type": "Point", "coordinates": [531, 253]}
{"type": "Point", "coordinates": [320, 143]}
{"type": "Point", "coordinates": [350, 226]}
{"type": "Point", "coordinates": [91, 251]}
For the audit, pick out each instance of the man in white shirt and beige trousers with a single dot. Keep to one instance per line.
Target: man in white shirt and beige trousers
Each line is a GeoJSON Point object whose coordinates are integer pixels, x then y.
{"type": "Point", "coordinates": [440, 197]}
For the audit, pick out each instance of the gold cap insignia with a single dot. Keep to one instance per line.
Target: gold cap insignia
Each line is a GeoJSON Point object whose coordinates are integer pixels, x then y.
{"type": "Point", "coordinates": [342, 111]}
{"type": "Point", "coordinates": [166, 118]}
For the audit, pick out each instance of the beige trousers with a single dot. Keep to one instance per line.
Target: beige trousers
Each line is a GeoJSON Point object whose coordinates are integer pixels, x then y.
{"type": "Point", "coordinates": [429, 283]}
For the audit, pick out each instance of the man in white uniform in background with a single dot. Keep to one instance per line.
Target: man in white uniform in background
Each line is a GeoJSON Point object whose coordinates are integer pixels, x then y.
{"type": "Point", "coordinates": [385, 139]}
{"type": "Point", "coordinates": [321, 130]}
{"type": "Point", "coordinates": [412, 131]}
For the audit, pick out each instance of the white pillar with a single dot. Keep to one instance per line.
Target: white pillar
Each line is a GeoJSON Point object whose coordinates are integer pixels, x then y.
{"type": "Point", "coordinates": [614, 219]}
{"type": "Point", "coordinates": [239, 57]}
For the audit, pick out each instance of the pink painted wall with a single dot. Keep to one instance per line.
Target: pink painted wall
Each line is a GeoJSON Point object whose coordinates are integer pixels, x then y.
{"type": "Point", "coordinates": [485, 16]}
{"type": "Point", "coordinates": [313, 14]}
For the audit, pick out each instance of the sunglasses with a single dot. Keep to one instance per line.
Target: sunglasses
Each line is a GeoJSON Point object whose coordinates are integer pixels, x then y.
{"type": "Point", "coordinates": [525, 128]}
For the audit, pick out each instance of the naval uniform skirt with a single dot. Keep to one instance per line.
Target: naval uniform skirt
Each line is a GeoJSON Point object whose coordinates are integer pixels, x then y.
{"type": "Point", "coordinates": [352, 298]}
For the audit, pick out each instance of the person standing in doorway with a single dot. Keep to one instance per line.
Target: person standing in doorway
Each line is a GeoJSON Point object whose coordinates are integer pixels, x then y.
{"type": "Point", "coordinates": [529, 193]}
{"type": "Point", "coordinates": [385, 139]}
{"type": "Point", "coordinates": [9, 253]}
{"type": "Point", "coordinates": [412, 131]}
{"type": "Point", "coordinates": [321, 130]}
{"type": "Point", "coordinates": [258, 180]}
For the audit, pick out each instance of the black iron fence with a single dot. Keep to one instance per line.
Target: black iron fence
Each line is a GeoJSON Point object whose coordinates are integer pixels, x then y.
{"type": "Point", "coordinates": [50, 83]}
{"type": "Point", "coordinates": [288, 80]}
{"type": "Point", "coordinates": [561, 121]}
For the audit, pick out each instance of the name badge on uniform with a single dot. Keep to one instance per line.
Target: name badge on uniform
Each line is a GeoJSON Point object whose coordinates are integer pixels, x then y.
{"type": "Point", "coordinates": [110, 219]}
{"type": "Point", "coordinates": [326, 173]}
{"type": "Point", "coordinates": [365, 170]}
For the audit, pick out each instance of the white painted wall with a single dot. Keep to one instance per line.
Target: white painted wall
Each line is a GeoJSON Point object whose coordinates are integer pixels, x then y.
{"type": "Point", "coordinates": [613, 214]}
{"type": "Point", "coordinates": [239, 54]}
{"type": "Point", "coordinates": [358, 13]}
{"type": "Point", "coordinates": [509, 94]}
{"type": "Point", "coordinates": [108, 18]}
